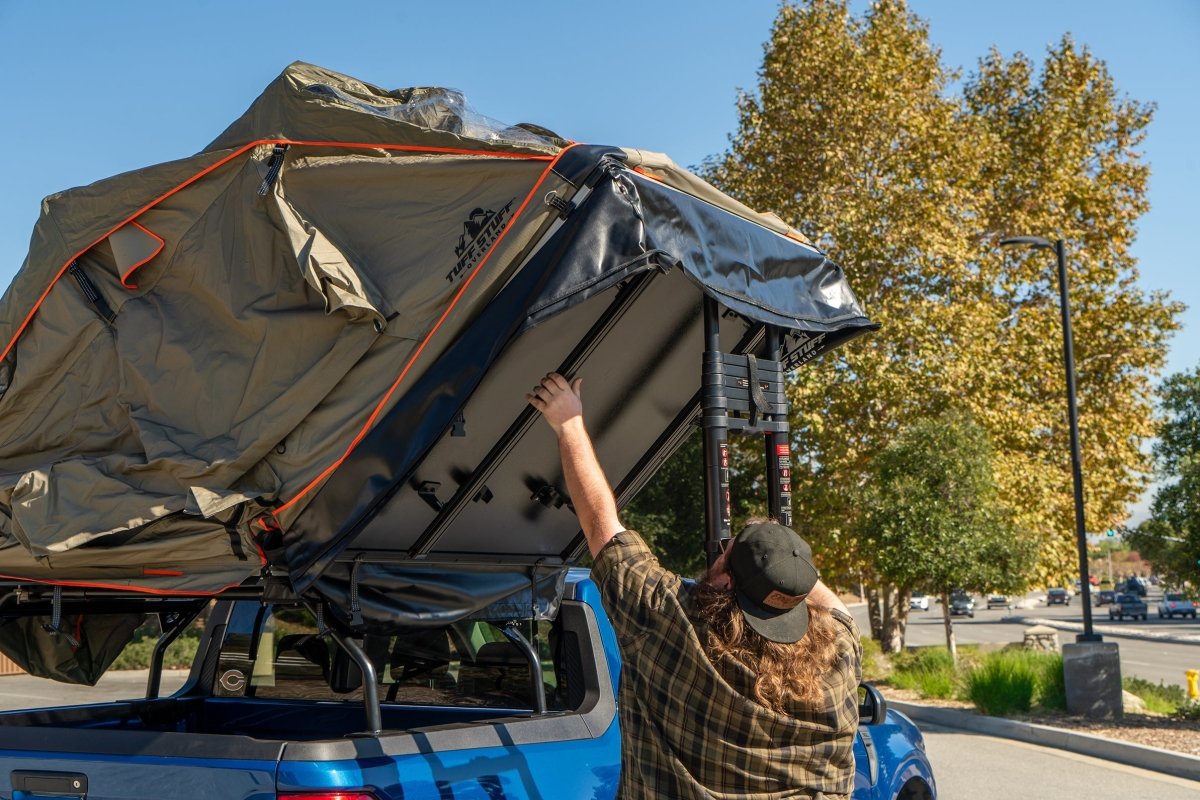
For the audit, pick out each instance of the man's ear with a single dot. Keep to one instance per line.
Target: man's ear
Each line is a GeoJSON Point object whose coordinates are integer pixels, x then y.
{"type": "Point", "coordinates": [719, 576]}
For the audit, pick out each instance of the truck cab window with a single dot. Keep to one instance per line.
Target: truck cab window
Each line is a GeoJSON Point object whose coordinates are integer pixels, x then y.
{"type": "Point", "coordinates": [277, 652]}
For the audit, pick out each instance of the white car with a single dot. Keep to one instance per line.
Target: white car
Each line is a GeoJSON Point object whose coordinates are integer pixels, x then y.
{"type": "Point", "coordinates": [918, 602]}
{"type": "Point", "coordinates": [1174, 605]}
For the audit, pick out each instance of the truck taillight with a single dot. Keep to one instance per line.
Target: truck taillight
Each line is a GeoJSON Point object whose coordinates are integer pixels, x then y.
{"type": "Point", "coordinates": [350, 795]}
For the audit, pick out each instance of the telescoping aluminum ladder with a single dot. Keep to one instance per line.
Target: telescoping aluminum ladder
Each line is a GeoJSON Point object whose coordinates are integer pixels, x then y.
{"type": "Point", "coordinates": [742, 394]}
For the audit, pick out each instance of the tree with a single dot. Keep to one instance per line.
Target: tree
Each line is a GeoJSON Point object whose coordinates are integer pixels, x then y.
{"type": "Point", "coordinates": [857, 136]}
{"type": "Point", "coordinates": [1170, 538]}
{"type": "Point", "coordinates": [934, 521]}
{"type": "Point", "coordinates": [669, 511]}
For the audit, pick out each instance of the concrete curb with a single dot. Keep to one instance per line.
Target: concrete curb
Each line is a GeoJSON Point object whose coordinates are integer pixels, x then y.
{"type": "Point", "coordinates": [1107, 630]}
{"type": "Point", "coordinates": [1134, 755]}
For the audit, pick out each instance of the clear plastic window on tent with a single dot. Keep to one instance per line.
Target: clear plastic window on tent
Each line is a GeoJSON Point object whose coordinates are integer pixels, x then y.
{"type": "Point", "coordinates": [446, 110]}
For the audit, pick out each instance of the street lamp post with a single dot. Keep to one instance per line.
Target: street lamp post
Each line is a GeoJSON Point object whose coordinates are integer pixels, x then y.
{"type": "Point", "coordinates": [1091, 667]}
{"type": "Point", "coordinates": [1039, 243]}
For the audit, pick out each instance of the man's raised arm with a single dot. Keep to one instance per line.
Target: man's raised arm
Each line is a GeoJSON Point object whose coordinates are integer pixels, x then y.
{"type": "Point", "coordinates": [560, 403]}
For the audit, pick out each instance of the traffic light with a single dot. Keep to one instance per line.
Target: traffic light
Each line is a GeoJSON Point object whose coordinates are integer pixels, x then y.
{"type": "Point", "coordinates": [1111, 532]}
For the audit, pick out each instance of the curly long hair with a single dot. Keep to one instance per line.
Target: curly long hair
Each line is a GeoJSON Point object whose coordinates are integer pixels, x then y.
{"type": "Point", "coordinates": [786, 674]}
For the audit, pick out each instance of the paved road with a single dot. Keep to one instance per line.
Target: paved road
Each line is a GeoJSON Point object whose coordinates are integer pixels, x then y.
{"type": "Point", "coordinates": [970, 766]}
{"type": "Point", "coordinates": [1155, 661]}
{"type": "Point", "coordinates": [25, 691]}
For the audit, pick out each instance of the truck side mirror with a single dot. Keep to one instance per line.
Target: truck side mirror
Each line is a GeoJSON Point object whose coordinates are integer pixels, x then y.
{"type": "Point", "coordinates": [872, 707]}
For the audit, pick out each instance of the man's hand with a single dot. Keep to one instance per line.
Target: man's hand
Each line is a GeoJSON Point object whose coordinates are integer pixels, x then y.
{"type": "Point", "coordinates": [558, 401]}
{"type": "Point", "coordinates": [590, 493]}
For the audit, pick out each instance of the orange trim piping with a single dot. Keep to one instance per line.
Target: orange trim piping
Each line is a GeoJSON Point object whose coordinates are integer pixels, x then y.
{"type": "Point", "coordinates": [216, 165]}
{"type": "Point", "coordinates": [120, 586]}
{"type": "Point", "coordinates": [172, 573]}
{"type": "Point", "coordinates": [387, 396]}
{"type": "Point", "coordinates": [125, 278]}
{"type": "Point", "coordinates": [647, 174]}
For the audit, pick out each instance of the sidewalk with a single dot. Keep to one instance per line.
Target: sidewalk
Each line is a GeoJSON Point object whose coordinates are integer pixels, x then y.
{"type": "Point", "coordinates": [1147, 634]}
{"type": "Point", "coordinates": [1135, 755]}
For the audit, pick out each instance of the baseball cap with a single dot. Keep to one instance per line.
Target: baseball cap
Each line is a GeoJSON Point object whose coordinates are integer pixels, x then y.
{"type": "Point", "coordinates": [773, 573]}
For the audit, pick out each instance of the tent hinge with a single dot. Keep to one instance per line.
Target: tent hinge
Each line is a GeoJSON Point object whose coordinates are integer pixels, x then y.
{"type": "Point", "coordinates": [549, 496]}
{"type": "Point", "coordinates": [427, 491]}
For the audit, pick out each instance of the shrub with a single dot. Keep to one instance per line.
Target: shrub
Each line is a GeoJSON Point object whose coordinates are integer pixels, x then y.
{"type": "Point", "coordinates": [1010, 681]}
{"type": "Point", "coordinates": [1159, 698]}
{"type": "Point", "coordinates": [927, 670]}
{"type": "Point", "coordinates": [1052, 688]}
{"type": "Point", "coordinates": [180, 653]}
{"type": "Point", "coordinates": [874, 665]}
{"type": "Point", "coordinates": [1188, 711]}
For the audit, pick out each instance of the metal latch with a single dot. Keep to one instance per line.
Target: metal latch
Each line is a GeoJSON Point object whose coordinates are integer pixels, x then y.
{"type": "Point", "coordinates": [563, 206]}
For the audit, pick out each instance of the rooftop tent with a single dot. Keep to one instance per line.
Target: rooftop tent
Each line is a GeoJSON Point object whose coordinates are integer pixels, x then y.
{"type": "Point", "coordinates": [304, 350]}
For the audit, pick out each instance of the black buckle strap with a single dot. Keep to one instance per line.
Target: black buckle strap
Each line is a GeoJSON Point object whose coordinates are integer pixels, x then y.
{"type": "Point", "coordinates": [356, 618]}
{"type": "Point", "coordinates": [54, 627]}
{"type": "Point", "coordinates": [273, 167]}
{"type": "Point", "coordinates": [92, 293]}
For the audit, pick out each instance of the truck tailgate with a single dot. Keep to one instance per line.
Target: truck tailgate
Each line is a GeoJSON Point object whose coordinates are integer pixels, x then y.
{"type": "Point", "coordinates": [134, 765]}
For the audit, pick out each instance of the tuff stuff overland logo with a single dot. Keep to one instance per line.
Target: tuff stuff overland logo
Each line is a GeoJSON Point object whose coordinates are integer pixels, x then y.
{"type": "Point", "coordinates": [480, 231]}
{"type": "Point", "coordinates": [806, 351]}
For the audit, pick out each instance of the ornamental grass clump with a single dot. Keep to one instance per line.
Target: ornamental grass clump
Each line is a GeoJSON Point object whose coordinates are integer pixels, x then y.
{"type": "Point", "coordinates": [1013, 681]}
{"type": "Point", "coordinates": [929, 671]}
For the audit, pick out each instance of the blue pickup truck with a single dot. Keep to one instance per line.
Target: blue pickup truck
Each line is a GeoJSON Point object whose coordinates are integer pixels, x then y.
{"type": "Point", "coordinates": [273, 709]}
{"type": "Point", "coordinates": [280, 384]}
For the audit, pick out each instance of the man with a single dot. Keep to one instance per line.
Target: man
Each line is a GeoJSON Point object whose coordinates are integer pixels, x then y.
{"type": "Point", "coordinates": [744, 685]}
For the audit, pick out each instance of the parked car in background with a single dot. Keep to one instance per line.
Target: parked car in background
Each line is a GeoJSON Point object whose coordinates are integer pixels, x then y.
{"type": "Point", "coordinates": [918, 602]}
{"type": "Point", "coordinates": [1176, 605]}
{"type": "Point", "coordinates": [962, 604]}
{"type": "Point", "coordinates": [1058, 597]}
{"type": "Point", "coordinates": [1105, 597]}
{"type": "Point", "coordinates": [997, 601]}
{"type": "Point", "coordinates": [1127, 605]}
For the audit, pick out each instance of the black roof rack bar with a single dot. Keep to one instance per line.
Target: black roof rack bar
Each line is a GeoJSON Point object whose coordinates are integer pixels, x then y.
{"type": "Point", "coordinates": [274, 588]}
{"type": "Point", "coordinates": [480, 475]}
{"type": "Point", "coordinates": [350, 555]}
{"type": "Point", "coordinates": [99, 606]}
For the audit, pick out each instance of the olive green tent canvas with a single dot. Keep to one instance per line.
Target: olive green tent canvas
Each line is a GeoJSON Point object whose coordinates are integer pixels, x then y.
{"type": "Point", "coordinates": [193, 350]}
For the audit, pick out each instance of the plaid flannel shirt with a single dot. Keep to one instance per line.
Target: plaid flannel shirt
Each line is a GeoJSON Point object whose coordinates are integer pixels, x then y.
{"type": "Point", "coordinates": [691, 729]}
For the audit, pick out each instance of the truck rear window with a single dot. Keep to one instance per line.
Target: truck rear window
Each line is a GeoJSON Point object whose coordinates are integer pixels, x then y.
{"type": "Point", "coordinates": [277, 652]}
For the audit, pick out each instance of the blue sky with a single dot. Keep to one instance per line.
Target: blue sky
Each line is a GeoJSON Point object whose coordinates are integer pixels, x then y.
{"type": "Point", "coordinates": [94, 89]}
